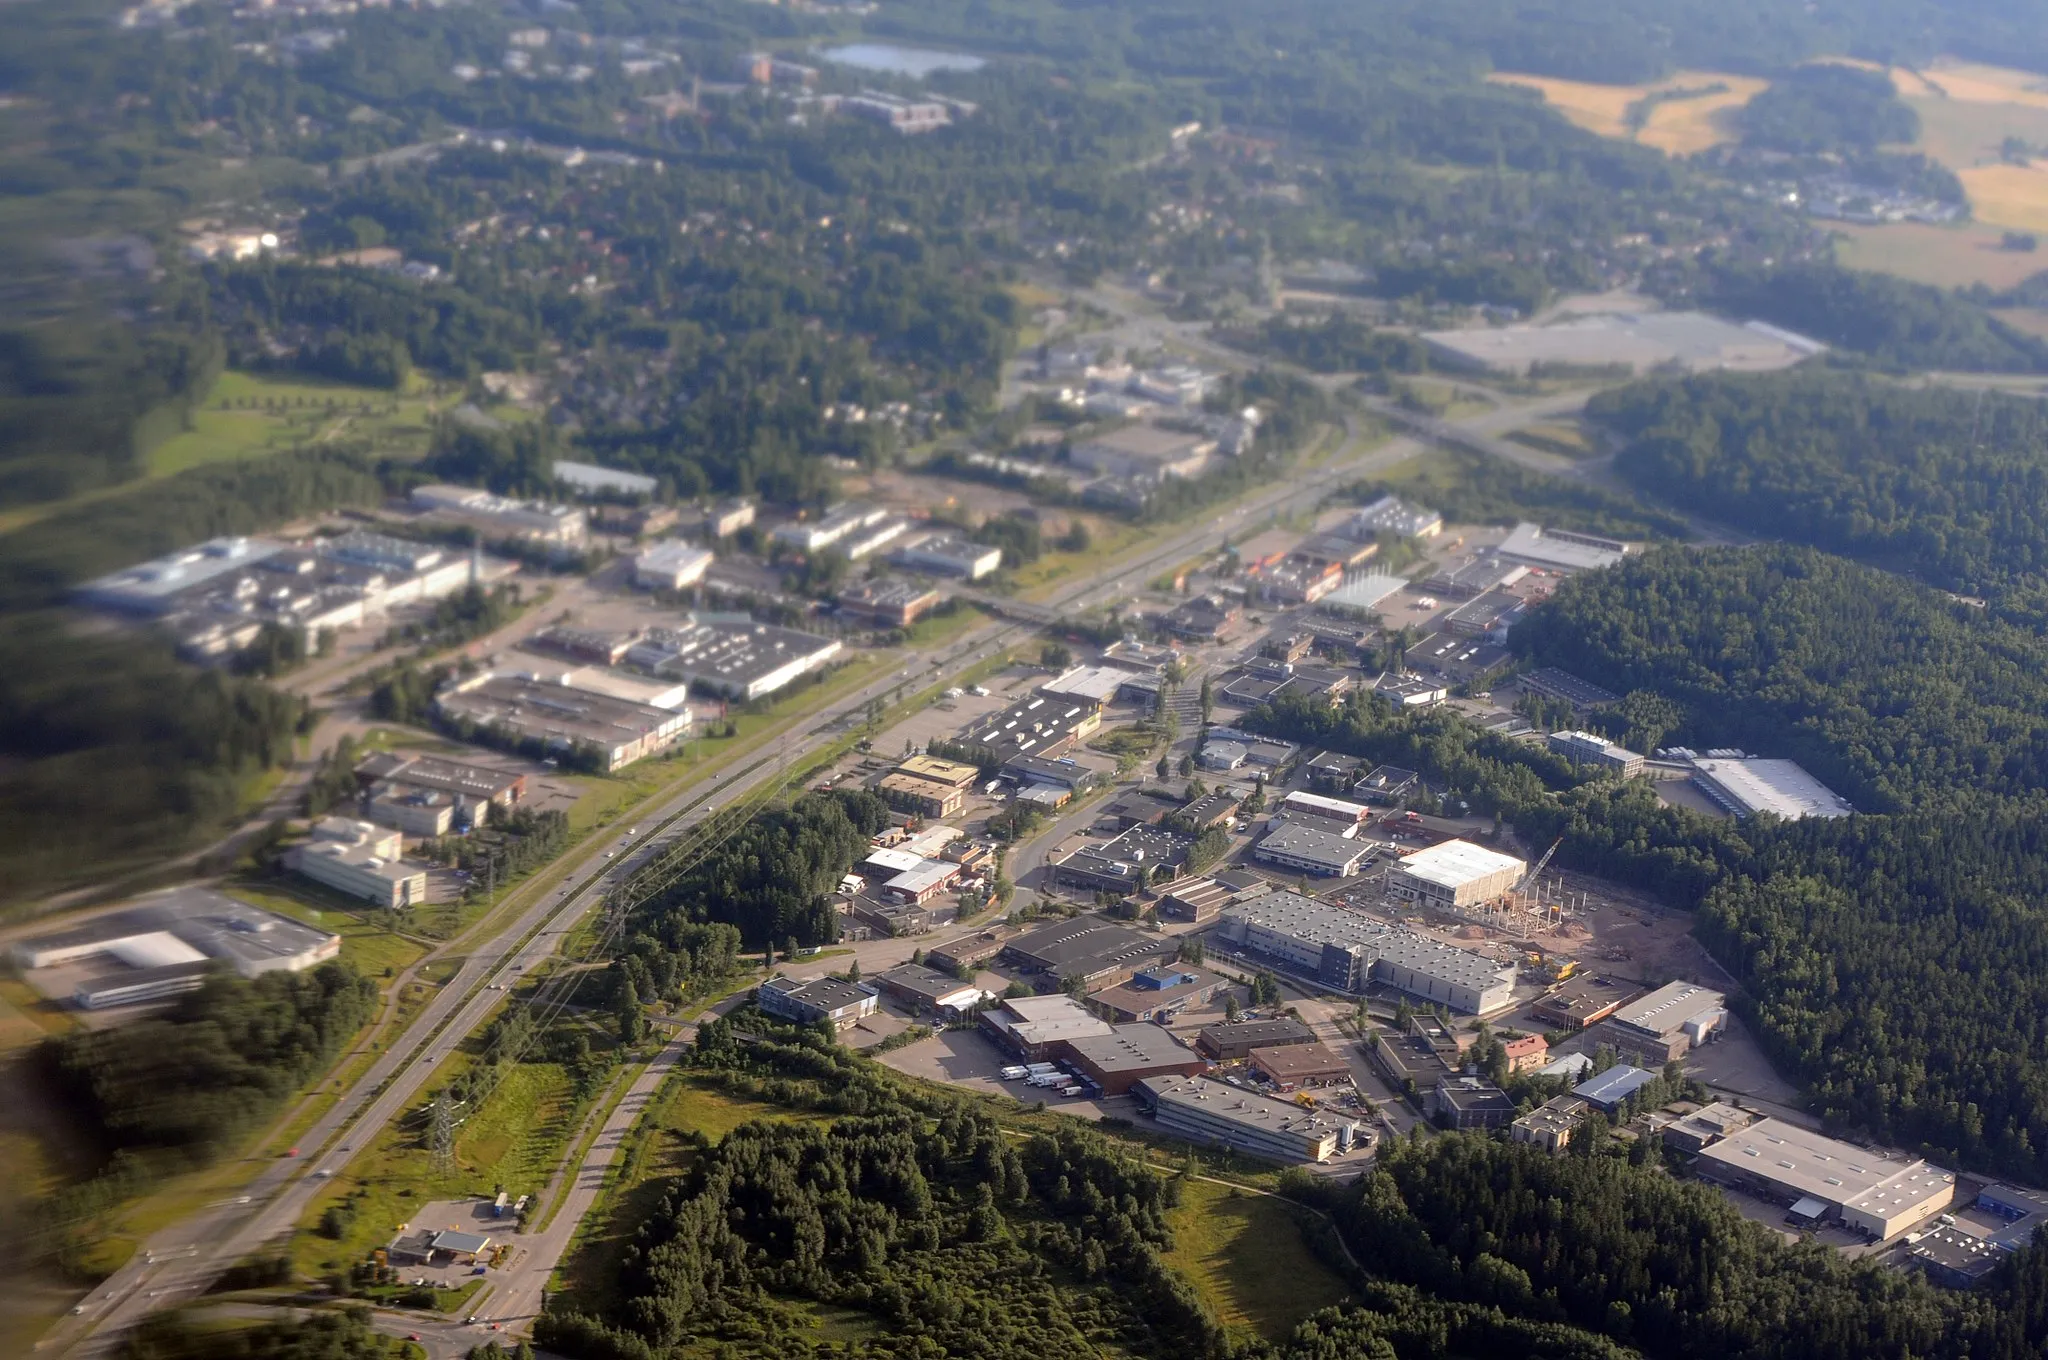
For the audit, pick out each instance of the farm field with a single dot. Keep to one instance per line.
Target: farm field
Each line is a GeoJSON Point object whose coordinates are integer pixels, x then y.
{"type": "Point", "coordinates": [1675, 126]}
{"type": "Point", "coordinates": [1947, 257]}
{"type": "Point", "coordinates": [1246, 1256]}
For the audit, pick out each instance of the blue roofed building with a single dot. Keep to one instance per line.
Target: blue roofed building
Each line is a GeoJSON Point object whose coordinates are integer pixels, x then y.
{"type": "Point", "coordinates": [1612, 1088]}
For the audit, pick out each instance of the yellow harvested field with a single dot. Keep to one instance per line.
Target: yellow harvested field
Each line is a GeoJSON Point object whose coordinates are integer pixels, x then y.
{"type": "Point", "coordinates": [1947, 257]}
{"type": "Point", "coordinates": [1976, 83]}
{"type": "Point", "coordinates": [2026, 320]}
{"type": "Point", "coordinates": [2009, 195]}
{"type": "Point", "coordinates": [1677, 127]}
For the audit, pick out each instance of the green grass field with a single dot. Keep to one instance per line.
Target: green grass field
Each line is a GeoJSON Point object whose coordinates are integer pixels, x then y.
{"type": "Point", "coordinates": [1246, 1256]}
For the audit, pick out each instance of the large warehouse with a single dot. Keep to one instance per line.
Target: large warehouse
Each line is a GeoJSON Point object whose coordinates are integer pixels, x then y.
{"type": "Point", "coordinates": [166, 943]}
{"type": "Point", "coordinates": [1211, 1112]}
{"type": "Point", "coordinates": [1351, 952]}
{"type": "Point", "coordinates": [1821, 1179]}
{"type": "Point", "coordinates": [1129, 1054]}
{"type": "Point", "coordinates": [1455, 875]}
{"type": "Point", "coordinates": [1746, 786]}
{"type": "Point", "coordinates": [1692, 341]}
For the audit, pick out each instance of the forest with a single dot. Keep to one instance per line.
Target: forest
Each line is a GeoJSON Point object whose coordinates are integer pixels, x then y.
{"type": "Point", "coordinates": [1945, 486]}
{"type": "Point", "coordinates": [768, 879]}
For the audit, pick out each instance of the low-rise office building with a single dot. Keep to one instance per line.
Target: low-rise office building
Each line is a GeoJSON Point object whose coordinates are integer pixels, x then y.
{"type": "Point", "coordinates": [1592, 749]}
{"type": "Point", "coordinates": [1207, 1111]}
{"type": "Point", "coordinates": [809, 536]}
{"type": "Point", "coordinates": [1469, 1103]}
{"type": "Point", "coordinates": [1131, 1053]}
{"type": "Point", "coordinates": [1614, 1088]}
{"type": "Point", "coordinates": [590, 479]}
{"type": "Point", "coordinates": [1455, 875]}
{"type": "Point", "coordinates": [843, 1003]}
{"type": "Point", "coordinates": [419, 813]}
{"type": "Point", "coordinates": [1395, 517]}
{"type": "Point", "coordinates": [728, 517]}
{"type": "Point", "coordinates": [1035, 773]}
{"type": "Point", "coordinates": [1823, 1179]}
{"type": "Point", "coordinates": [533, 521]}
{"type": "Point", "coordinates": [908, 793]}
{"type": "Point", "coordinates": [616, 732]}
{"type": "Point", "coordinates": [892, 603]}
{"type": "Point", "coordinates": [954, 774]}
{"type": "Point", "coordinates": [1294, 1067]}
{"type": "Point", "coordinates": [1156, 995]}
{"type": "Point", "coordinates": [1525, 1052]}
{"type": "Point", "coordinates": [1144, 453]}
{"type": "Point", "coordinates": [1228, 1043]}
{"type": "Point", "coordinates": [360, 860]}
{"type": "Point", "coordinates": [1551, 1125]}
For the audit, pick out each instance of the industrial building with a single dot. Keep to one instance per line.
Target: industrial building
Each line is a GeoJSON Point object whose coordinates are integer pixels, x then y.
{"type": "Point", "coordinates": [929, 990]}
{"type": "Point", "coordinates": [1036, 773]}
{"type": "Point", "coordinates": [893, 111]}
{"type": "Point", "coordinates": [1144, 453]}
{"type": "Point", "coordinates": [843, 1003]}
{"type": "Point", "coordinates": [617, 731]}
{"type": "Point", "coordinates": [735, 657]}
{"type": "Point", "coordinates": [1746, 786]}
{"type": "Point", "coordinates": [1036, 1028]}
{"type": "Point", "coordinates": [1199, 900]}
{"type": "Point", "coordinates": [597, 646]}
{"type": "Point", "coordinates": [809, 536]}
{"type": "Point", "coordinates": [1037, 725]}
{"type": "Point", "coordinates": [1559, 550]}
{"type": "Point", "coordinates": [1156, 995]}
{"type": "Point", "coordinates": [1386, 784]}
{"type": "Point", "coordinates": [1455, 875]}
{"type": "Point", "coordinates": [1961, 1253]}
{"type": "Point", "coordinates": [1135, 859]}
{"type": "Point", "coordinates": [889, 602]}
{"type": "Point", "coordinates": [1654, 1029]}
{"type": "Point", "coordinates": [1393, 516]}
{"type": "Point", "coordinates": [1094, 950]}
{"type": "Point", "coordinates": [477, 789]}
{"type": "Point", "coordinates": [673, 565]}
{"type": "Point", "coordinates": [907, 877]}
{"type": "Point", "coordinates": [1227, 1043]}
{"type": "Point", "coordinates": [1552, 683]}
{"type": "Point", "coordinates": [1696, 1132]}
{"type": "Point", "coordinates": [592, 480]}
{"type": "Point", "coordinates": [1551, 1125]}
{"type": "Point", "coordinates": [168, 940]}
{"type": "Point", "coordinates": [1612, 1089]}
{"type": "Point", "coordinates": [1593, 750]}
{"type": "Point", "coordinates": [1636, 341]}
{"type": "Point", "coordinates": [952, 773]}
{"type": "Point", "coordinates": [908, 793]}
{"type": "Point", "coordinates": [667, 694]}
{"type": "Point", "coordinates": [1308, 850]}
{"type": "Point", "coordinates": [1469, 580]}
{"type": "Point", "coordinates": [359, 859]}
{"type": "Point", "coordinates": [1492, 615]}
{"type": "Point", "coordinates": [1131, 1053]}
{"type": "Point", "coordinates": [1095, 685]}
{"type": "Point", "coordinates": [1824, 1180]}
{"type": "Point", "coordinates": [1361, 596]}
{"type": "Point", "coordinates": [1469, 1103]}
{"type": "Point", "coordinates": [419, 813]}
{"type": "Point", "coordinates": [1292, 1067]}
{"type": "Point", "coordinates": [1349, 952]}
{"type": "Point", "coordinates": [215, 599]}
{"type": "Point", "coordinates": [1207, 1111]}
{"type": "Point", "coordinates": [1583, 1001]}
{"type": "Point", "coordinates": [532, 521]}
{"type": "Point", "coordinates": [948, 554]}
{"type": "Point", "coordinates": [1205, 618]}
{"type": "Point", "coordinates": [1327, 814]}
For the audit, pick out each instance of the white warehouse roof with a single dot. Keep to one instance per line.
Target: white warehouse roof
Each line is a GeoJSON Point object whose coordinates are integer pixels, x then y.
{"type": "Point", "coordinates": [1455, 863]}
{"type": "Point", "coordinates": [1780, 786]}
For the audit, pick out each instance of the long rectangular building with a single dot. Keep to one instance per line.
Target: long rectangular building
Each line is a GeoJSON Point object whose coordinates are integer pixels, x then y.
{"type": "Point", "coordinates": [1350, 952]}
{"type": "Point", "coordinates": [1211, 1112]}
{"type": "Point", "coordinates": [737, 658]}
{"type": "Point", "coordinates": [1872, 1193]}
{"type": "Point", "coordinates": [1455, 875]}
{"type": "Point", "coordinates": [619, 731]}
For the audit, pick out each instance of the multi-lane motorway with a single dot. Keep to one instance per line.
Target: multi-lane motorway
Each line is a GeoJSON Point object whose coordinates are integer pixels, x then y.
{"type": "Point", "coordinates": [183, 1260]}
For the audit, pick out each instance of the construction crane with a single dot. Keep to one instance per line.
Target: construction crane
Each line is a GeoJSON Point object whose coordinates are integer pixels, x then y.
{"type": "Point", "coordinates": [1536, 871]}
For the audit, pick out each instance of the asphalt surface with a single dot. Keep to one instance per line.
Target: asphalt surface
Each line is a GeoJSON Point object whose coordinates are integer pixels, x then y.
{"type": "Point", "coordinates": [182, 1261]}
